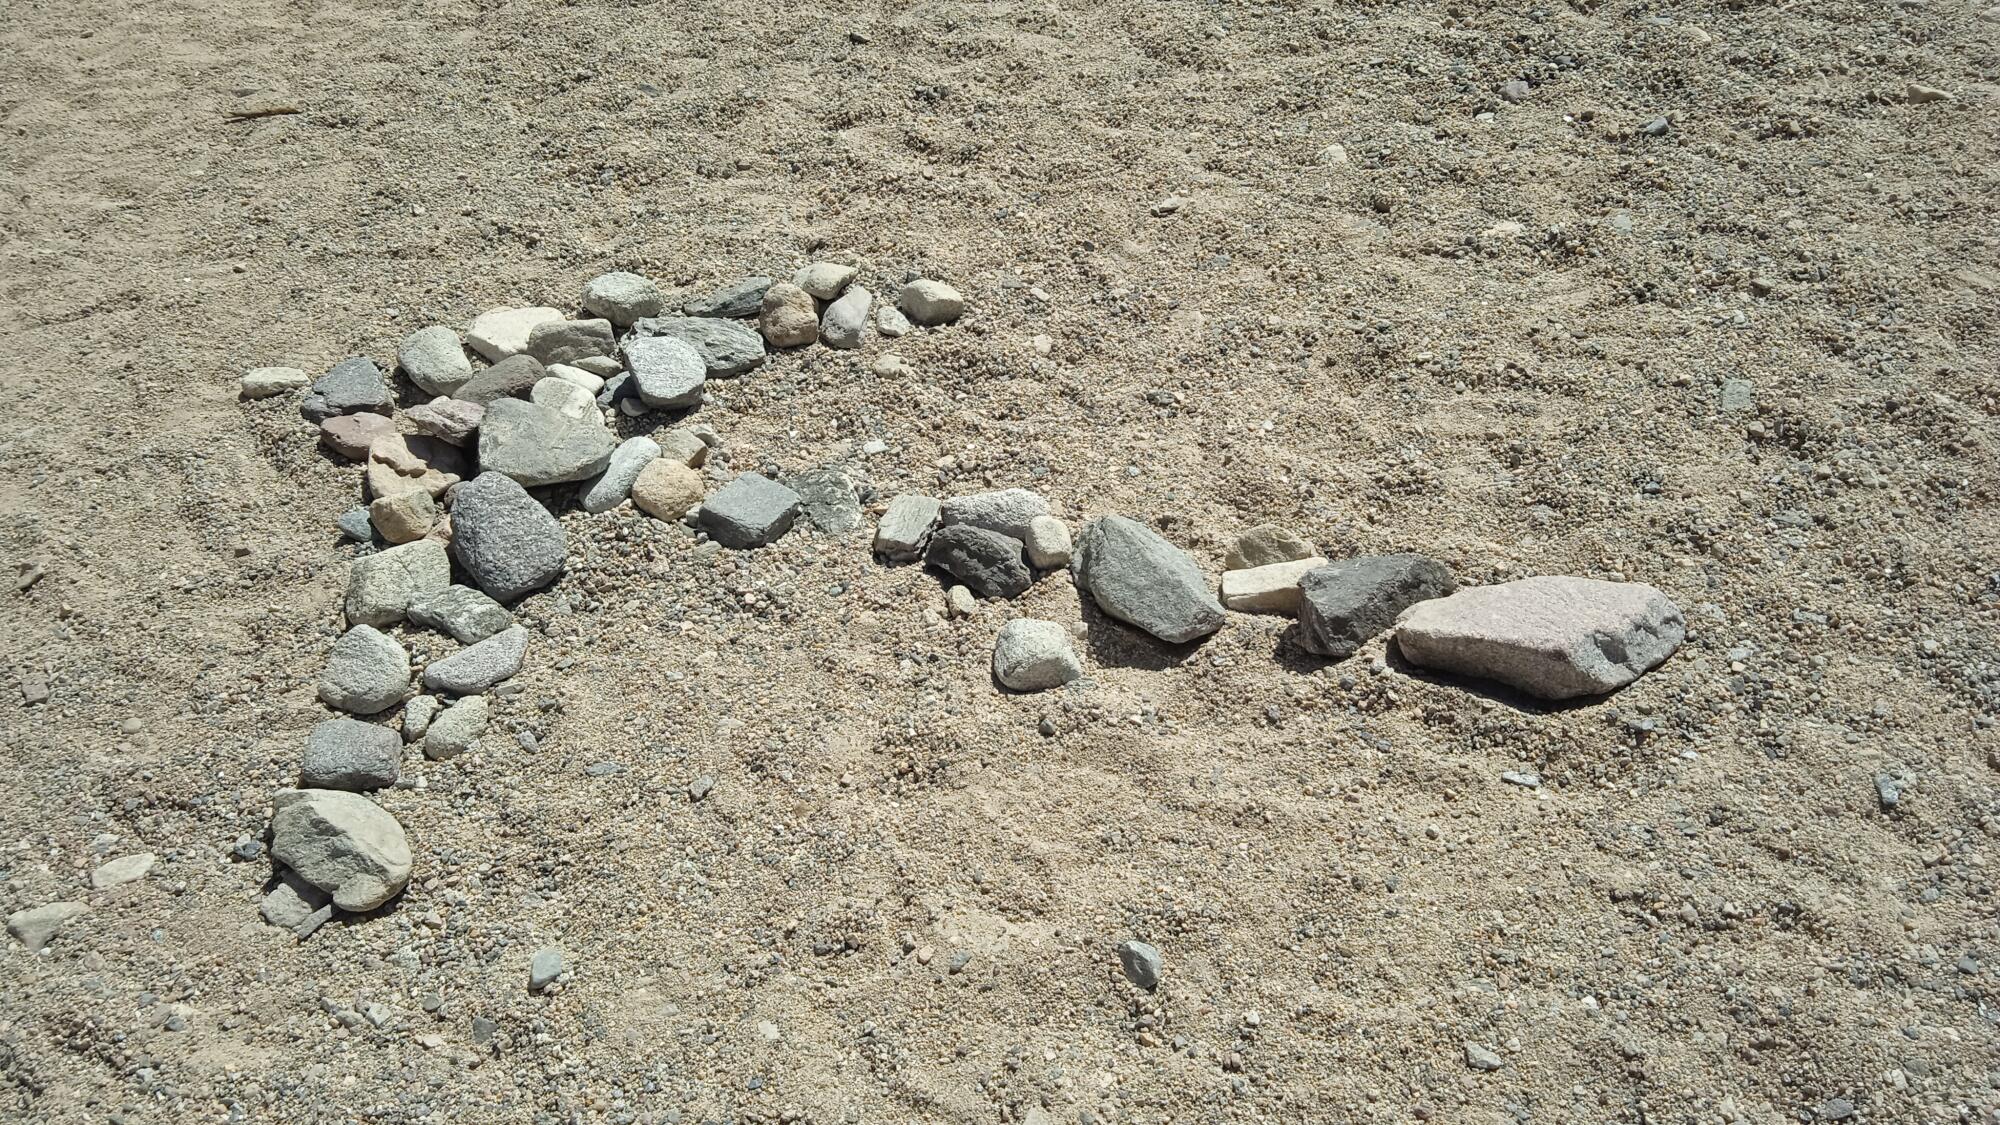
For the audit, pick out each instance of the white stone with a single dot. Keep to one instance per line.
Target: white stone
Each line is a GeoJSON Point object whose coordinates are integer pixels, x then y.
{"type": "Point", "coordinates": [1273, 588]}
{"type": "Point", "coordinates": [577, 375]}
{"type": "Point", "coordinates": [499, 333]}
{"type": "Point", "coordinates": [1048, 543]}
{"type": "Point", "coordinates": [124, 869]}
{"type": "Point", "coordinates": [565, 398]}
{"type": "Point", "coordinates": [264, 382]}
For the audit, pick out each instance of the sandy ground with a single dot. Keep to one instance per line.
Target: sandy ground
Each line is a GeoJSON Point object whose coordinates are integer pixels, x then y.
{"type": "Point", "coordinates": [1396, 312]}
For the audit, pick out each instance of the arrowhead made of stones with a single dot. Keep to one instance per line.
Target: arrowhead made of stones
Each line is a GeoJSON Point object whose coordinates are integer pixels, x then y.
{"type": "Point", "coordinates": [477, 667]}
{"type": "Point", "coordinates": [1552, 637]}
{"type": "Point", "coordinates": [504, 538]}
{"type": "Point", "coordinates": [537, 446]}
{"type": "Point", "coordinates": [1343, 604]}
{"type": "Point", "coordinates": [342, 843]}
{"type": "Point", "coordinates": [1141, 579]}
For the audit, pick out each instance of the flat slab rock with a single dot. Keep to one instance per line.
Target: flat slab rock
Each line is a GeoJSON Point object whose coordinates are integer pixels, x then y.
{"type": "Point", "coordinates": [727, 347]}
{"type": "Point", "coordinates": [1141, 579]}
{"type": "Point", "coordinates": [477, 667]}
{"type": "Point", "coordinates": [750, 511]}
{"type": "Point", "coordinates": [538, 446]}
{"type": "Point", "coordinates": [1551, 637]}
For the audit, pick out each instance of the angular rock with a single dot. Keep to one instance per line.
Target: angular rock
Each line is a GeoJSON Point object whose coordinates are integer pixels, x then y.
{"type": "Point", "coordinates": [590, 384]}
{"type": "Point", "coordinates": [399, 463]}
{"type": "Point", "coordinates": [292, 901]}
{"type": "Point", "coordinates": [352, 755]}
{"type": "Point", "coordinates": [667, 372]}
{"type": "Point", "coordinates": [381, 586]}
{"type": "Point", "coordinates": [1265, 544]}
{"type": "Point", "coordinates": [990, 563]}
{"type": "Point", "coordinates": [434, 360]}
{"type": "Point", "coordinates": [465, 613]}
{"type": "Point", "coordinates": [736, 300]}
{"type": "Point", "coordinates": [455, 731]}
{"type": "Point", "coordinates": [1552, 637]}
{"type": "Point", "coordinates": [1480, 1057]}
{"type": "Point", "coordinates": [1343, 604]}
{"type": "Point", "coordinates": [788, 318]}
{"type": "Point", "coordinates": [571, 341]}
{"type": "Point", "coordinates": [1141, 579]}
{"type": "Point", "coordinates": [418, 714]}
{"type": "Point", "coordinates": [450, 420]}
{"type": "Point", "coordinates": [353, 386]}
{"type": "Point", "coordinates": [827, 498]}
{"type": "Point", "coordinates": [355, 524]}
{"type": "Point", "coordinates": [350, 435]}
{"type": "Point", "coordinates": [1048, 543]}
{"type": "Point", "coordinates": [504, 538]}
{"type": "Point", "coordinates": [34, 928]}
{"type": "Point", "coordinates": [342, 843]}
{"type": "Point", "coordinates": [684, 446]}
{"type": "Point", "coordinates": [750, 511]}
{"type": "Point", "coordinates": [510, 378]}
{"type": "Point", "coordinates": [727, 347]}
{"type": "Point", "coordinates": [665, 489]}
{"type": "Point", "coordinates": [1031, 655]}
{"type": "Point", "coordinates": [928, 302]}
{"type": "Point", "coordinates": [1141, 963]}
{"type": "Point", "coordinates": [1271, 588]}
{"type": "Point", "coordinates": [615, 484]}
{"type": "Point", "coordinates": [959, 602]}
{"type": "Point", "coordinates": [477, 667]}
{"type": "Point", "coordinates": [367, 672]}
{"type": "Point", "coordinates": [905, 527]}
{"type": "Point", "coordinates": [890, 321]}
{"type": "Point", "coordinates": [266, 382]}
{"type": "Point", "coordinates": [125, 869]}
{"type": "Point", "coordinates": [622, 297]}
{"type": "Point", "coordinates": [544, 968]}
{"type": "Point", "coordinates": [537, 446]}
{"type": "Point", "coordinates": [566, 399]}
{"type": "Point", "coordinates": [1008, 511]}
{"type": "Point", "coordinates": [499, 333]}
{"type": "Point", "coordinates": [404, 518]}
{"type": "Point", "coordinates": [825, 280]}
{"type": "Point", "coordinates": [842, 324]}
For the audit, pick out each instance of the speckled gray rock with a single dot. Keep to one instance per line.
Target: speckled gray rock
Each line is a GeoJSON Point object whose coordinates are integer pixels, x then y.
{"type": "Point", "coordinates": [621, 297]}
{"type": "Point", "coordinates": [989, 563]}
{"type": "Point", "coordinates": [1048, 543]}
{"type": "Point", "coordinates": [667, 372]}
{"type": "Point", "coordinates": [356, 524]}
{"type": "Point", "coordinates": [465, 613]}
{"type": "Point", "coordinates": [353, 385]}
{"type": "Point", "coordinates": [827, 498]}
{"type": "Point", "coordinates": [36, 926]}
{"type": "Point", "coordinates": [455, 731]}
{"type": "Point", "coordinates": [750, 511]}
{"type": "Point", "coordinates": [477, 667]}
{"type": "Point", "coordinates": [890, 321]}
{"type": "Point", "coordinates": [367, 672]}
{"type": "Point", "coordinates": [845, 320]}
{"type": "Point", "coordinates": [727, 347]}
{"type": "Point", "coordinates": [1141, 579]}
{"type": "Point", "coordinates": [1141, 963]}
{"type": "Point", "coordinates": [513, 376]}
{"type": "Point", "coordinates": [342, 843]}
{"type": "Point", "coordinates": [930, 302]}
{"type": "Point", "coordinates": [537, 446]}
{"type": "Point", "coordinates": [571, 341]}
{"type": "Point", "coordinates": [1008, 511]}
{"type": "Point", "coordinates": [417, 716]}
{"type": "Point", "coordinates": [1552, 637]}
{"type": "Point", "coordinates": [352, 755]}
{"type": "Point", "coordinates": [1031, 655]}
{"type": "Point", "coordinates": [381, 586]}
{"type": "Point", "coordinates": [737, 300]}
{"type": "Point", "coordinates": [433, 359]}
{"type": "Point", "coordinates": [906, 527]}
{"type": "Point", "coordinates": [615, 484]}
{"type": "Point", "coordinates": [125, 869]}
{"type": "Point", "coordinates": [450, 420]}
{"type": "Point", "coordinates": [504, 538]}
{"type": "Point", "coordinates": [292, 901]}
{"type": "Point", "coordinates": [544, 968]}
{"type": "Point", "coordinates": [1344, 603]}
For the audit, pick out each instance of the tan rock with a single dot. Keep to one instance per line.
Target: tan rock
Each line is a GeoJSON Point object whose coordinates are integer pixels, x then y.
{"type": "Point", "coordinates": [399, 463]}
{"type": "Point", "coordinates": [1271, 588]}
{"type": "Point", "coordinates": [351, 435]}
{"type": "Point", "coordinates": [789, 318]}
{"type": "Point", "coordinates": [405, 517]}
{"type": "Point", "coordinates": [1265, 544]}
{"type": "Point", "coordinates": [666, 489]}
{"type": "Point", "coordinates": [684, 446]}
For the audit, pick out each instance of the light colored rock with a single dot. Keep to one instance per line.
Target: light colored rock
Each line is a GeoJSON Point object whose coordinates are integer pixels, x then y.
{"type": "Point", "coordinates": [788, 318]}
{"type": "Point", "coordinates": [890, 321]}
{"type": "Point", "coordinates": [590, 383]}
{"type": "Point", "coordinates": [342, 843]}
{"type": "Point", "coordinates": [1031, 655]}
{"type": "Point", "coordinates": [684, 446]}
{"type": "Point", "coordinates": [621, 297]}
{"type": "Point", "coordinates": [266, 382]}
{"type": "Point", "coordinates": [825, 280]}
{"type": "Point", "coordinates": [668, 373]}
{"type": "Point", "coordinates": [627, 462]}
{"type": "Point", "coordinates": [125, 869]}
{"type": "Point", "coordinates": [571, 341]}
{"type": "Point", "coordinates": [499, 333]}
{"type": "Point", "coordinates": [1552, 637]}
{"type": "Point", "coordinates": [828, 499]}
{"type": "Point", "coordinates": [404, 518]}
{"type": "Point", "coordinates": [381, 586]}
{"type": "Point", "coordinates": [350, 435]}
{"type": "Point", "coordinates": [367, 672]}
{"type": "Point", "coordinates": [1344, 604]}
{"type": "Point", "coordinates": [565, 398]}
{"type": "Point", "coordinates": [1141, 963]}
{"type": "Point", "coordinates": [455, 731]}
{"type": "Point", "coordinates": [666, 489]}
{"type": "Point", "coordinates": [1271, 588]}
{"type": "Point", "coordinates": [465, 613]}
{"type": "Point", "coordinates": [1048, 543]}
{"type": "Point", "coordinates": [750, 511]}
{"type": "Point", "coordinates": [1139, 578]}
{"type": "Point", "coordinates": [536, 446]}
{"type": "Point", "coordinates": [1008, 511]}
{"type": "Point", "coordinates": [845, 319]}
{"type": "Point", "coordinates": [434, 360]}
{"type": "Point", "coordinates": [1265, 544]}
{"type": "Point", "coordinates": [291, 902]}
{"type": "Point", "coordinates": [418, 714]}
{"type": "Point", "coordinates": [959, 602]}
{"type": "Point", "coordinates": [544, 968]}
{"type": "Point", "coordinates": [352, 755]}
{"type": "Point", "coordinates": [504, 538]}
{"type": "Point", "coordinates": [477, 667]}
{"type": "Point", "coordinates": [929, 303]}
{"type": "Point", "coordinates": [399, 463]}
{"type": "Point", "coordinates": [34, 928]}
{"type": "Point", "coordinates": [450, 420]}
{"type": "Point", "coordinates": [905, 526]}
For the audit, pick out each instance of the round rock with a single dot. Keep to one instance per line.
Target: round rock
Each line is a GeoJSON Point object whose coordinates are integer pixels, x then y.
{"type": "Point", "coordinates": [366, 673]}
{"type": "Point", "coordinates": [504, 538]}
{"type": "Point", "coordinates": [434, 359]}
{"type": "Point", "coordinates": [622, 297]}
{"type": "Point", "coordinates": [1031, 655]}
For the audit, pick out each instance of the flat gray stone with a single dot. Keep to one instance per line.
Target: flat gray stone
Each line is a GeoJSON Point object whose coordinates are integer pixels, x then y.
{"type": "Point", "coordinates": [356, 524]}
{"type": "Point", "coordinates": [906, 527]}
{"type": "Point", "coordinates": [537, 446]}
{"type": "Point", "coordinates": [1031, 655]}
{"type": "Point", "coordinates": [457, 729]}
{"type": "Point", "coordinates": [1141, 579]}
{"type": "Point", "coordinates": [35, 927]}
{"type": "Point", "coordinates": [736, 300]}
{"type": "Point", "coordinates": [465, 613]}
{"type": "Point", "coordinates": [353, 386]}
{"type": "Point", "coordinates": [504, 538]}
{"type": "Point", "coordinates": [727, 347]}
{"type": "Point", "coordinates": [266, 382]}
{"type": "Point", "coordinates": [418, 714]}
{"type": "Point", "coordinates": [433, 359]}
{"type": "Point", "coordinates": [828, 499]}
{"type": "Point", "coordinates": [890, 321]}
{"type": "Point", "coordinates": [621, 297]}
{"type": "Point", "coordinates": [1345, 603]}
{"type": "Point", "coordinates": [1141, 963]}
{"type": "Point", "coordinates": [1552, 637]}
{"type": "Point", "coordinates": [845, 320]}
{"type": "Point", "coordinates": [544, 968]}
{"type": "Point", "coordinates": [366, 673]}
{"type": "Point", "coordinates": [450, 420]}
{"type": "Point", "coordinates": [571, 341]}
{"type": "Point", "coordinates": [125, 869]}
{"type": "Point", "coordinates": [511, 377]}
{"type": "Point", "coordinates": [477, 667]}
{"type": "Point", "coordinates": [292, 901]}
{"type": "Point", "coordinates": [342, 843]}
{"type": "Point", "coordinates": [667, 372]}
{"type": "Point", "coordinates": [992, 565]}
{"type": "Point", "coordinates": [566, 399]}
{"type": "Point", "coordinates": [615, 484]}
{"type": "Point", "coordinates": [1738, 395]}
{"type": "Point", "coordinates": [352, 755]}
{"type": "Point", "coordinates": [1480, 1057]}
{"type": "Point", "coordinates": [750, 511]}
{"type": "Point", "coordinates": [381, 586]}
{"type": "Point", "coordinates": [1008, 511]}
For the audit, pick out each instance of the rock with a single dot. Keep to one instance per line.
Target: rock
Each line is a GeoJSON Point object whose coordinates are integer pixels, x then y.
{"type": "Point", "coordinates": [36, 927]}
{"type": "Point", "coordinates": [355, 524]}
{"type": "Point", "coordinates": [1271, 588]}
{"type": "Point", "coordinates": [450, 420]}
{"type": "Point", "coordinates": [1048, 543]}
{"type": "Point", "coordinates": [683, 446]}
{"type": "Point", "coordinates": [665, 489]}
{"type": "Point", "coordinates": [353, 386]}
{"type": "Point", "coordinates": [366, 673]}
{"type": "Point", "coordinates": [507, 541]}
{"type": "Point", "coordinates": [477, 667]}
{"type": "Point", "coordinates": [788, 318]}
{"type": "Point", "coordinates": [381, 586]}
{"type": "Point", "coordinates": [1514, 91]}
{"type": "Point", "coordinates": [576, 376]}
{"type": "Point", "coordinates": [667, 372]}
{"type": "Point", "coordinates": [571, 341]}
{"type": "Point", "coordinates": [958, 602]}
{"type": "Point", "coordinates": [1552, 637]}
{"type": "Point", "coordinates": [750, 511]}
{"type": "Point", "coordinates": [404, 518]}
{"type": "Point", "coordinates": [350, 435]}
{"type": "Point", "coordinates": [890, 321]}
{"type": "Point", "coordinates": [1343, 604]}
{"type": "Point", "coordinates": [1266, 544]}
{"type": "Point", "coordinates": [845, 319]}
{"type": "Point", "coordinates": [1141, 963]}
{"type": "Point", "coordinates": [827, 498]}
{"type": "Point", "coordinates": [615, 484]}
{"type": "Point", "coordinates": [905, 527]}
{"type": "Point", "coordinates": [738, 299]}
{"type": "Point", "coordinates": [342, 843]}
{"type": "Point", "coordinates": [987, 561]}
{"type": "Point", "coordinates": [352, 755]}
{"type": "Point", "coordinates": [1141, 579]}
{"type": "Point", "coordinates": [434, 360]}
{"type": "Point", "coordinates": [537, 446]}
{"type": "Point", "coordinates": [602, 366]}
{"type": "Point", "coordinates": [930, 302]}
{"type": "Point", "coordinates": [510, 378]}
{"type": "Point", "coordinates": [455, 731]}
{"type": "Point", "coordinates": [465, 613]}
{"type": "Point", "coordinates": [1889, 790]}
{"type": "Point", "coordinates": [1916, 93]}
{"type": "Point", "coordinates": [1008, 511]}
{"type": "Point", "coordinates": [125, 869]}
{"type": "Point", "coordinates": [726, 346]}
{"type": "Point", "coordinates": [266, 382]}
{"type": "Point", "coordinates": [566, 399]}
{"type": "Point", "coordinates": [1482, 1058]}
{"type": "Point", "coordinates": [1032, 655]}
{"type": "Point", "coordinates": [825, 280]}
{"type": "Point", "coordinates": [892, 367]}
{"type": "Point", "coordinates": [499, 333]}
{"type": "Point", "coordinates": [399, 463]}
{"type": "Point", "coordinates": [292, 901]}
{"type": "Point", "coordinates": [544, 968]}
{"type": "Point", "coordinates": [419, 713]}
{"type": "Point", "coordinates": [622, 297]}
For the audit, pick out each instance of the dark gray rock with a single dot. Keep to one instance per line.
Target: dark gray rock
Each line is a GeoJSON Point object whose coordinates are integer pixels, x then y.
{"type": "Point", "coordinates": [468, 615]}
{"type": "Point", "coordinates": [750, 511]}
{"type": "Point", "coordinates": [728, 348]}
{"type": "Point", "coordinates": [990, 564]}
{"type": "Point", "coordinates": [1008, 511]}
{"type": "Point", "coordinates": [355, 524]}
{"type": "Point", "coordinates": [828, 499]}
{"type": "Point", "coordinates": [352, 755]}
{"type": "Point", "coordinates": [1344, 603]}
{"type": "Point", "coordinates": [504, 538]}
{"type": "Point", "coordinates": [477, 667]}
{"type": "Point", "coordinates": [1141, 579]}
{"type": "Point", "coordinates": [667, 373]}
{"type": "Point", "coordinates": [353, 386]}
{"type": "Point", "coordinates": [741, 299]}
{"type": "Point", "coordinates": [511, 377]}
{"type": "Point", "coordinates": [536, 445]}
